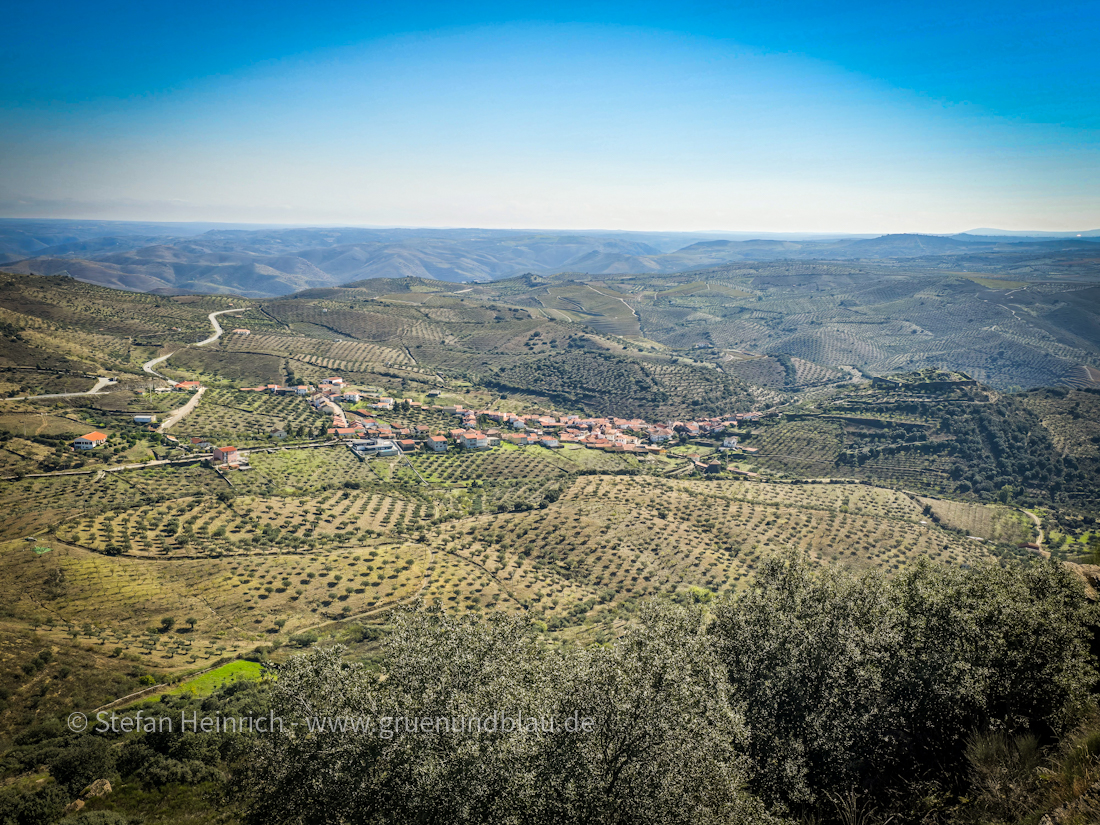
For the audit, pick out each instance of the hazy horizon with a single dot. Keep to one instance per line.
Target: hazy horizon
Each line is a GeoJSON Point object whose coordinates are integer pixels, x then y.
{"type": "Point", "coordinates": [746, 234]}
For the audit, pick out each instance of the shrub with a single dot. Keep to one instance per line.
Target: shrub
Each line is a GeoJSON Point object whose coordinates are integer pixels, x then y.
{"type": "Point", "coordinates": [76, 767]}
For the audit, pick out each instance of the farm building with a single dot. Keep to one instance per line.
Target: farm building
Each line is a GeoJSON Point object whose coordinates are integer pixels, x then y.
{"type": "Point", "coordinates": [201, 443]}
{"type": "Point", "coordinates": [242, 331]}
{"type": "Point", "coordinates": [437, 443]}
{"type": "Point", "coordinates": [145, 419]}
{"type": "Point", "coordinates": [187, 386]}
{"type": "Point", "coordinates": [335, 381]}
{"type": "Point", "coordinates": [407, 445]}
{"type": "Point", "coordinates": [551, 443]}
{"type": "Point", "coordinates": [90, 441]}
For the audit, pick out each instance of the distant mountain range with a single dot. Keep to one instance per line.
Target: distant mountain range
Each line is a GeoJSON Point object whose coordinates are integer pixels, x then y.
{"type": "Point", "coordinates": [268, 261]}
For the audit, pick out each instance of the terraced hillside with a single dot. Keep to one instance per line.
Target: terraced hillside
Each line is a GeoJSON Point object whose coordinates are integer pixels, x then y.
{"type": "Point", "coordinates": [311, 540]}
{"type": "Point", "coordinates": [610, 384]}
{"type": "Point", "coordinates": [1010, 334]}
{"type": "Point", "coordinates": [966, 441]}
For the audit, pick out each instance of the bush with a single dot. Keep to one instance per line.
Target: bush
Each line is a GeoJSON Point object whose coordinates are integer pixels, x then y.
{"type": "Point", "coordinates": [76, 767]}
{"type": "Point", "coordinates": [40, 808]}
{"type": "Point", "coordinates": [854, 681]}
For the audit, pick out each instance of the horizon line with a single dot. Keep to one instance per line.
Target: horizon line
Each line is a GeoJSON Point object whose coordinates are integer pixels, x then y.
{"type": "Point", "coordinates": [760, 232]}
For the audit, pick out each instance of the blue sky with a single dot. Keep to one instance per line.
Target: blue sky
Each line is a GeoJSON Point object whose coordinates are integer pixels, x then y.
{"type": "Point", "coordinates": [785, 116]}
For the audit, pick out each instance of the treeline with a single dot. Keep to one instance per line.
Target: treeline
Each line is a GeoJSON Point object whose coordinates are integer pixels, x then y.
{"type": "Point", "coordinates": [935, 695]}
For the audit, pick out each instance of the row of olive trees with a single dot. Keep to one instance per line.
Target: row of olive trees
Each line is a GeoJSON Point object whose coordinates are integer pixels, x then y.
{"type": "Point", "coordinates": [813, 685]}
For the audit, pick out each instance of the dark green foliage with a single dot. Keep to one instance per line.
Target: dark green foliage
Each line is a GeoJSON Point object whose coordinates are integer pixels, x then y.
{"type": "Point", "coordinates": [603, 383]}
{"type": "Point", "coordinates": [102, 818]}
{"type": "Point", "coordinates": [970, 444]}
{"type": "Point", "coordinates": [40, 808]}
{"type": "Point", "coordinates": [88, 759]}
{"type": "Point", "coordinates": [857, 681]}
{"type": "Point", "coordinates": [664, 745]}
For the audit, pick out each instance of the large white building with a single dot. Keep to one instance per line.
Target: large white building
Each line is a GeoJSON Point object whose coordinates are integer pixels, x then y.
{"type": "Point", "coordinates": [90, 441]}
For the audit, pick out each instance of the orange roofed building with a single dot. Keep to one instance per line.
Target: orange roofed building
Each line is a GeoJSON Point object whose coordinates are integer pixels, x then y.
{"type": "Point", "coordinates": [90, 441]}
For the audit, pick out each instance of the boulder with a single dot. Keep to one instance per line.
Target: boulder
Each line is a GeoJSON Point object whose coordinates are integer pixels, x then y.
{"type": "Point", "coordinates": [101, 787]}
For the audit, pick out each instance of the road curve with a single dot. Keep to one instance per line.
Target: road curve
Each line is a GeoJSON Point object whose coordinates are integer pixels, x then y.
{"type": "Point", "coordinates": [213, 317]}
{"type": "Point", "coordinates": [99, 385]}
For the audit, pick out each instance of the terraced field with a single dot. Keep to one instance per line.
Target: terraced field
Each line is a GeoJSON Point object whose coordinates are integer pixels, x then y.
{"type": "Point", "coordinates": [247, 524]}
{"type": "Point", "coordinates": [35, 504]}
{"type": "Point", "coordinates": [605, 384]}
{"type": "Point", "coordinates": [506, 462]}
{"type": "Point", "coordinates": [595, 306]}
{"type": "Point", "coordinates": [999, 524]}
{"type": "Point", "coordinates": [292, 471]}
{"type": "Point", "coordinates": [109, 604]}
{"type": "Point", "coordinates": [611, 540]}
{"type": "Point", "coordinates": [1072, 417]}
{"type": "Point", "coordinates": [236, 417]}
{"type": "Point", "coordinates": [344, 355]}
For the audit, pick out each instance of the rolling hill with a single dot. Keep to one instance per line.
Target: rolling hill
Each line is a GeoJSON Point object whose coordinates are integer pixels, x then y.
{"type": "Point", "coordinates": [270, 261]}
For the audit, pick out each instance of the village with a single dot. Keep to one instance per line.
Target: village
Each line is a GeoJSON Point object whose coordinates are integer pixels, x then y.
{"type": "Point", "coordinates": [485, 429]}
{"type": "Point", "coordinates": [358, 419]}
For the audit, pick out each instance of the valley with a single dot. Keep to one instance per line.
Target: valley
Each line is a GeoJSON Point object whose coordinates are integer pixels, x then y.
{"type": "Point", "coordinates": [557, 449]}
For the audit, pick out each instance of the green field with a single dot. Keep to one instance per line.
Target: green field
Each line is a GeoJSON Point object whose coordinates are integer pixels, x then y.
{"type": "Point", "coordinates": [207, 683]}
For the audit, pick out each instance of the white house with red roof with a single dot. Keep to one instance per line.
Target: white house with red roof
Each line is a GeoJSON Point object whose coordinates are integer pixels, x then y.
{"type": "Point", "coordinates": [90, 441]}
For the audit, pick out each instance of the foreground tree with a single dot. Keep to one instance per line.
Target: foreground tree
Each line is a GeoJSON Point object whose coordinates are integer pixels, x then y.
{"type": "Point", "coordinates": [860, 681]}
{"type": "Point", "coordinates": [644, 731]}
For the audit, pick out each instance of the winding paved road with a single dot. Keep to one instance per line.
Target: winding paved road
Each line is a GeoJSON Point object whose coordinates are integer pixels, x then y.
{"type": "Point", "coordinates": [99, 385]}
{"type": "Point", "coordinates": [213, 316]}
